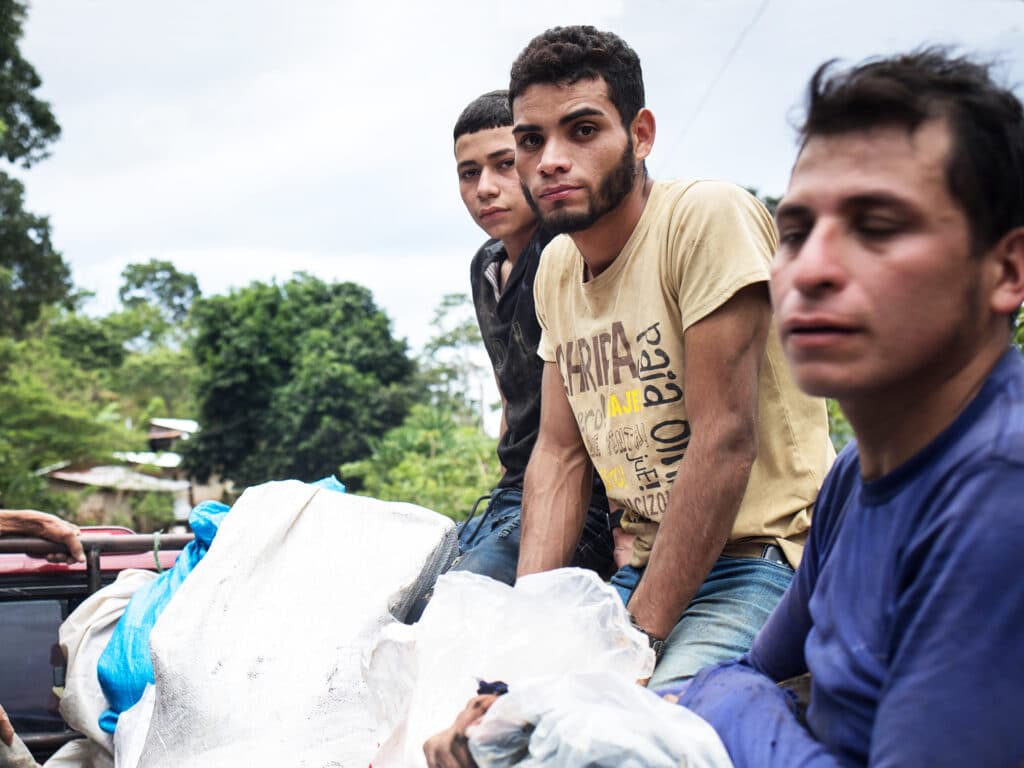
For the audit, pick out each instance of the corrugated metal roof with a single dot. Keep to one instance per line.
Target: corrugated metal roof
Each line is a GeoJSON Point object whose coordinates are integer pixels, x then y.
{"type": "Point", "coordinates": [181, 425]}
{"type": "Point", "coordinates": [163, 459]}
{"type": "Point", "coordinates": [120, 478]}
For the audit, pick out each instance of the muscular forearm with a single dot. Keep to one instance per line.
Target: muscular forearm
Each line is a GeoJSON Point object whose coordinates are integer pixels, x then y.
{"type": "Point", "coordinates": [556, 494]}
{"type": "Point", "coordinates": [702, 507]}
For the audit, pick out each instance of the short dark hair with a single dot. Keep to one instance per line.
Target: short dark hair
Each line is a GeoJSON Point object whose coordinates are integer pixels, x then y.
{"type": "Point", "coordinates": [985, 167]}
{"type": "Point", "coordinates": [566, 55]}
{"type": "Point", "coordinates": [491, 110]}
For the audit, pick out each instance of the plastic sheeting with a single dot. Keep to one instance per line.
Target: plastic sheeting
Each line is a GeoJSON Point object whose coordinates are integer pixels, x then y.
{"type": "Point", "coordinates": [259, 658]}
{"type": "Point", "coordinates": [600, 721]}
{"type": "Point", "coordinates": [560, 622]}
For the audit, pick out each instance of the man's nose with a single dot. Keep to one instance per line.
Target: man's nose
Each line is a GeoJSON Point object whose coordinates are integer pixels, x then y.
{"type": "Point", "coordinates": [554, 158]}
{"type": "Point", "coordinates": [820, 264]}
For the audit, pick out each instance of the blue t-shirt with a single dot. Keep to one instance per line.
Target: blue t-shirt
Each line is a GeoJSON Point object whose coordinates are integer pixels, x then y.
{"type": "Point", "coordinates": [907, 610]}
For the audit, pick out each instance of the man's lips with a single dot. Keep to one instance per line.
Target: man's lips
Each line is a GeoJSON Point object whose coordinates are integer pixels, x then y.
{"type": "Point", "coordinates": [559, 192]}
{"type": "Point", "coordinates": [491, 212]}
{"type": "Point", "coordinates": [821, 329]}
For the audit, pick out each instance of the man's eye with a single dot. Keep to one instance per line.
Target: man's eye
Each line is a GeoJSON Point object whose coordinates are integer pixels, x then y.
{"type": "Point", "coordinates": [878, 228]}
{"type": "Point", "coordinates": [469, 174]}
{"type": "Point", "coordinates": [507, 164]}
{"type": "Point", "coordinates": [790, 237]}
{"type": "Point", "coordinates": [586, 130]}
{"type": "Point", "coordinates": [529, 141]}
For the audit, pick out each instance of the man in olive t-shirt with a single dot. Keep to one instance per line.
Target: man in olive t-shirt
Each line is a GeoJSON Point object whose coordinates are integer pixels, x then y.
{"type": "Point", "coordinates": [660, 366]}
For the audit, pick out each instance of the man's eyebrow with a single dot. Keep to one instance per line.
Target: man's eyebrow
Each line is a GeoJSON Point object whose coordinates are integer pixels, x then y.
{"type": "Point", "coordinates": [499, 152]}
{"type": "Point", "coordinates": [581, 112]}
{"type": "Point", "coordinates": [466, 163]}
{"type": "Point", "coordinates": [792, 211]}
{"type": "Point", "coordinates": [576, 115]}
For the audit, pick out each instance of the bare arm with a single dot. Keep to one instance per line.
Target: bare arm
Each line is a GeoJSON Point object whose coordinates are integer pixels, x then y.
{"type": "Point", "coordinates": [558, 483]}
{"type": "Point", "coordinates": [29, 522]}
{"type": "Point", "coordinates": [722, 360]}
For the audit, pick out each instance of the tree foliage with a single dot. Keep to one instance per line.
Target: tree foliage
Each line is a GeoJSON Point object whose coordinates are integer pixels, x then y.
{"type": "Point", "coordinates": [30, 126]}
{"type": "Point", "coordinates": [161, 285]}
{"type": "Point", "coordinates": [433, 459]}
{"type": "Point", "coordinates": [32, 274]}
{"type": "Point", "coordinates": [293, 380]}
{"type": "Point", "coordinates": [51, 410]}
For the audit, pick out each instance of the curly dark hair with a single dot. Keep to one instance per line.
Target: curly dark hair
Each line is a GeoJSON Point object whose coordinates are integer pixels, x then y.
{"type": "Point", "coordinates": [491, 110]}
{"type": "Point", "coordinates": [566, 55]}
{"type": "Point", "coordinates": [985, 167]}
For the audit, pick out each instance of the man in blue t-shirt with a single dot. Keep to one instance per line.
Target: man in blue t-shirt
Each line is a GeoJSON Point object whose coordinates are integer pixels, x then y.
{"type": "Point", "coordinates": [896, 284]}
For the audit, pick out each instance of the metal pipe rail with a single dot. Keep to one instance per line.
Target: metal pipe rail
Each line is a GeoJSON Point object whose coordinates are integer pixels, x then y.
{"type": "Point", "coordinates": [94, 545]}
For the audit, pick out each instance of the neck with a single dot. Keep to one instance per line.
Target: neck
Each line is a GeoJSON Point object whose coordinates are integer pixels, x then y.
{"type": "Point", "coordinates": [516, 243]}
{"type": "Point", "coordinates": [601, 243]}
{"type": "Point", "coordinates": [894, 426]}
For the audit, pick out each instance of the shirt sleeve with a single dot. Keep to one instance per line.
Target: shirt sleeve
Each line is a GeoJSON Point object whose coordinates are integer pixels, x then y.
{"type": "Point", "coordinates": [723, 240]}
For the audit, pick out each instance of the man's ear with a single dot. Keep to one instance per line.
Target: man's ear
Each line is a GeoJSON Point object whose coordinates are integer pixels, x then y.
{"type": "Point", "coordinates": [1008, 264]}
{"type": "Point", "coordinates": [642, 130]}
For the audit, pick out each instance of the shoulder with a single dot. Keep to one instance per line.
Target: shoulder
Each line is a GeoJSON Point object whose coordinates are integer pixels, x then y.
{"type": "Point", "coordinates": [486, 254]}
{"type": "Point", "coordinates": [707, 196]}
{"type": "Point", "coordinates": [710, 211]}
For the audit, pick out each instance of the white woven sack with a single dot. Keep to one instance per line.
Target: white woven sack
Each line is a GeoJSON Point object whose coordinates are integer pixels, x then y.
{"type": "Point", "coordinates": [258, 658]}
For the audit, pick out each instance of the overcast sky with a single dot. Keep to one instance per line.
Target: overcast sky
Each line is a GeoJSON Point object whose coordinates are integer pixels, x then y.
{"type": "Point", "coordinates": [248, 139]}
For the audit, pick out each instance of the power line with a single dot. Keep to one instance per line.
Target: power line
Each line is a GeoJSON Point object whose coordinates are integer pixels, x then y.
{"type": "Point", "coordinates": [721, 71]}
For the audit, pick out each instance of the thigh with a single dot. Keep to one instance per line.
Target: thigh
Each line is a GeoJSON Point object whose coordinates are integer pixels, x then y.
{"type": "Point", "coordinates": [596, 549]}
{"type": "Point", "coordinates": [624, 581]}
{"type": "Point", "coordinates": [728, 611]}
{"type": "Point", "coordinates": [492, 546]}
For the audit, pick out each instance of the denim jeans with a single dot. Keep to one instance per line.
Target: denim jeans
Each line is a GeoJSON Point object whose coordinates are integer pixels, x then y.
{"type": "Point", "coordinates": [723, 618]}
{"type": "Point", "coordinates": [489, 544]}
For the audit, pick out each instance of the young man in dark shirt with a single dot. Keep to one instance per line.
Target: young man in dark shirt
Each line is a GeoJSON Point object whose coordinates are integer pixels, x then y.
{"type": "Point", "coordinates": [502, 274]}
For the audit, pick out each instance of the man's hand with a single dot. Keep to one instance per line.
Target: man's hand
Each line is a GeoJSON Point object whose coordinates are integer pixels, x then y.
{"type": "Point", "coordinates": [6, 729]}
{"type": "Point", "coordinates": [30, 522]}
{"type": "Point", "coordinates": [450, 747]}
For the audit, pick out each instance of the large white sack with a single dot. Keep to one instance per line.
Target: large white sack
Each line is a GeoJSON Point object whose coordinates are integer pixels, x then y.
{"type": "Point", "coordinates": [83, 636]}
{"type": "Point", "coordinates": [555, 623]}
{"type": "Point", "coordinates": [258, 658]}
{"type": "Point", "coordinates": [132, 728]}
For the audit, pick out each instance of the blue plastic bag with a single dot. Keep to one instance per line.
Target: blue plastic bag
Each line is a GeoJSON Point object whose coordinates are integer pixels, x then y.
{"type": "Point", "coordinates": [125, 667]}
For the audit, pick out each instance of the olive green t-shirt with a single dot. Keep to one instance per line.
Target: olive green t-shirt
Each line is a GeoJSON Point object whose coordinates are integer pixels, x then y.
{"type": "Point", "coordinates": [618, 342]}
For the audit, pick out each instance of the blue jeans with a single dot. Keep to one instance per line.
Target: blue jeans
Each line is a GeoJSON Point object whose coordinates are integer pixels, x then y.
{"type": "Point", "coordinates": [489, 544]}
{"type": "Point", "coordinates": [723, 618]}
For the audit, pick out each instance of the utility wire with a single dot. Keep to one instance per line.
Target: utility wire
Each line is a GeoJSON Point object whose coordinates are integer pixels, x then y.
{"type": "Point", "coordinates": [721, 71]}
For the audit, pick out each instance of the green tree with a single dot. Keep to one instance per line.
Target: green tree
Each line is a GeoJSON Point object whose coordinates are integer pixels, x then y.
{"type": "Point", "coordinates": [32, 273]}
{"type": "Point", "coordinates": [293, 380]}
{"type": "Point", "coordinates": [159, 284]}
{"type": "Point", "coordinates": [29, 124]}
{"type": "Point", "coordinates": [433, 459]}
{"type": "Point", "coordinates": [451, 361]}
{"type": "Point", "coordinates": [440, 456]}
{"type": "Point", "coordinates": [51, 410]}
